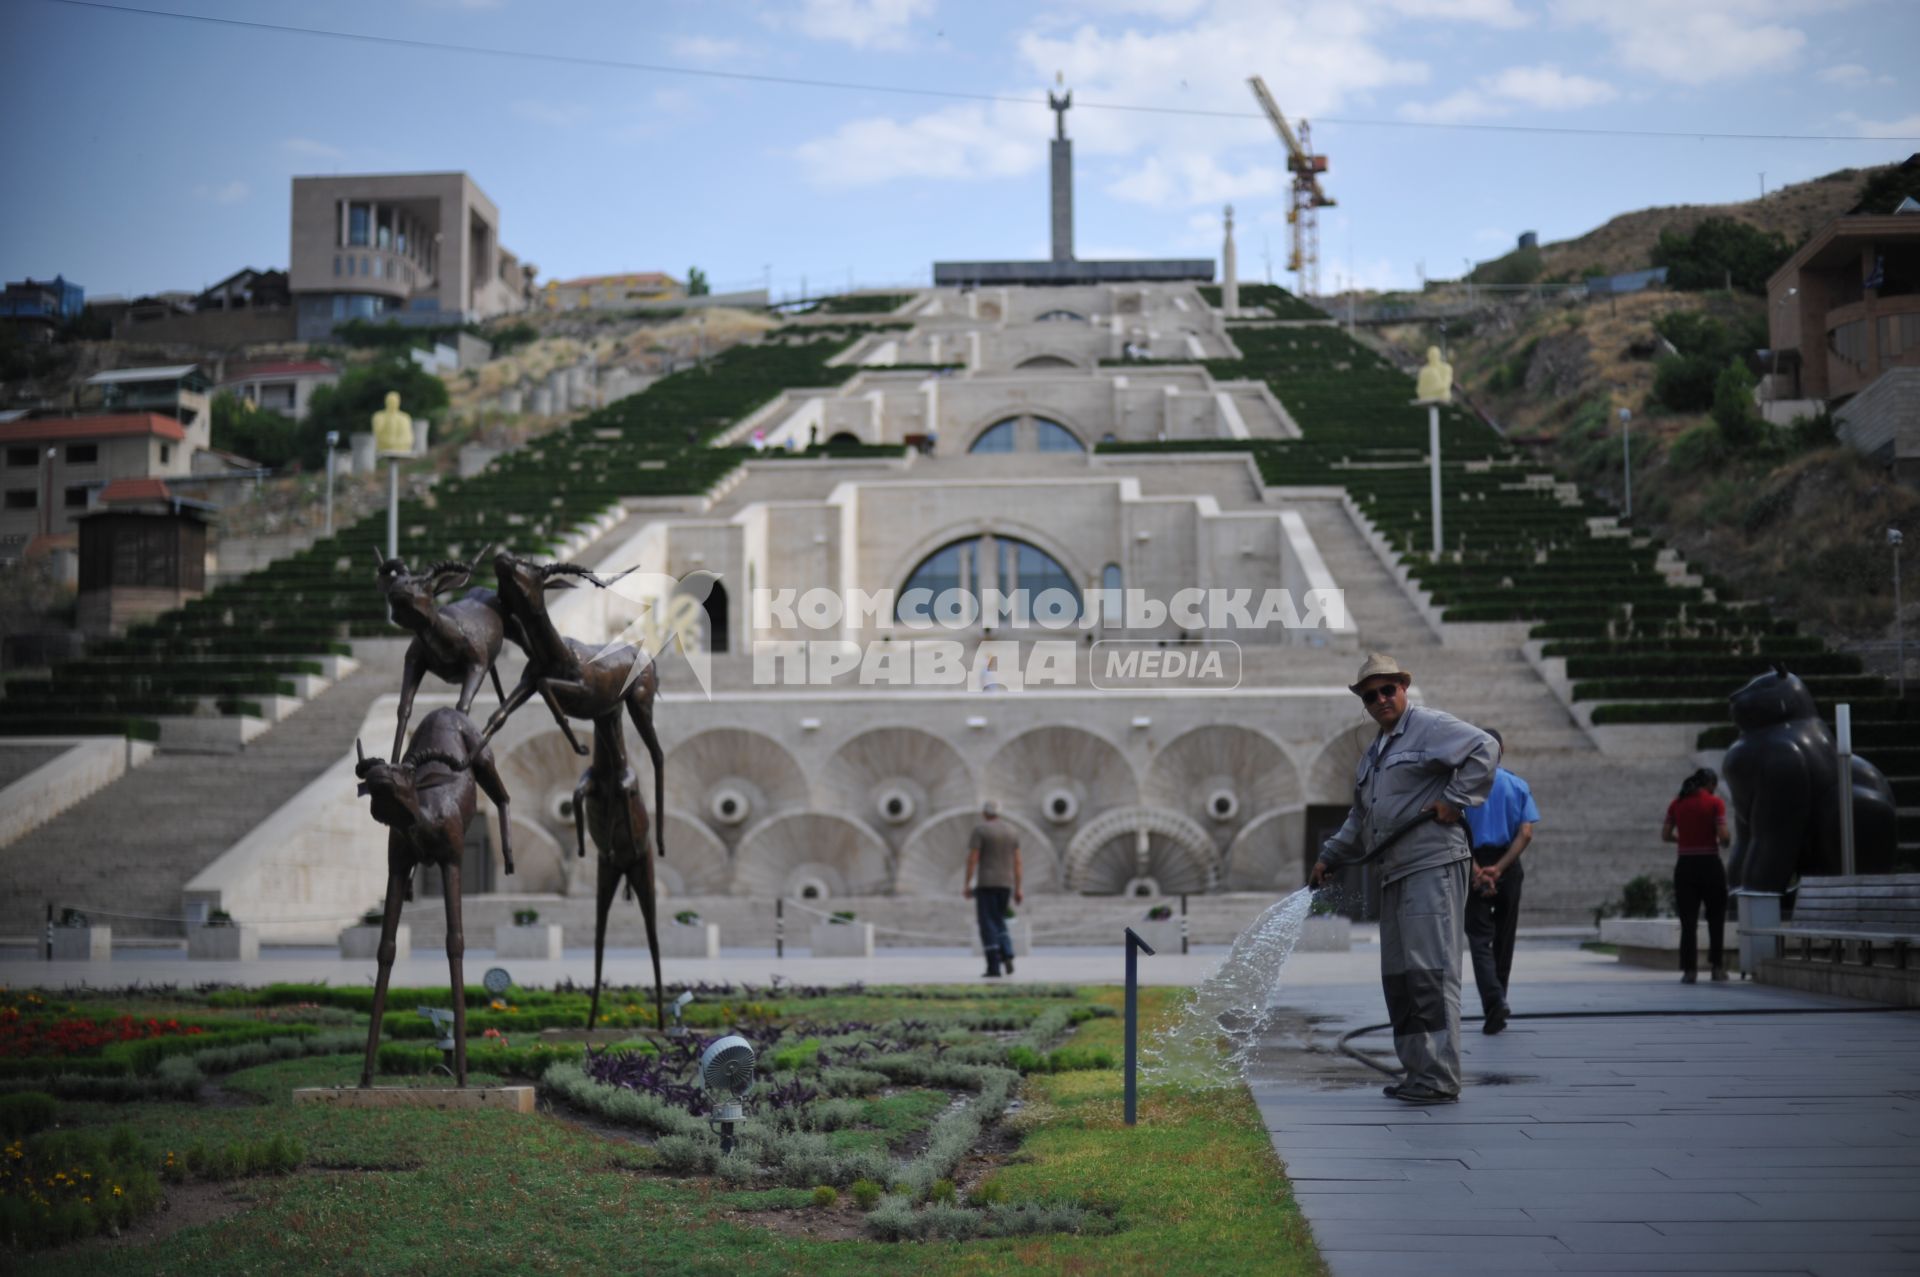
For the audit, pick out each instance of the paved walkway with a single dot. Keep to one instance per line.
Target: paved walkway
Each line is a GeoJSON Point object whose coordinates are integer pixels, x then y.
{"type": "Point", "coordinates": [1735, 1129]}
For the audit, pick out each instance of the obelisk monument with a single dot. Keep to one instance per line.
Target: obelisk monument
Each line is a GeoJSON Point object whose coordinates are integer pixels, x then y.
{"type": "Point", "coordinates": [1230, 271]}
{"type": "Point", "coordinates": [1062, 178]}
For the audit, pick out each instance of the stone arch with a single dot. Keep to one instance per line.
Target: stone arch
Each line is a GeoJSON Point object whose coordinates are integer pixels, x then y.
{"type": "Point", "coordinates": [1222, 776]}
{"type": "Point", "coordinates": [540, 773]}
{"type": "Point", "coordinates": [1330, 776]}
{"type": "Point", "coordinates": [539, 859]}
{"type": "Point", "coordinates": [1130, 844]}
{"type": "Point", "coordinates": [1059, 777]}
{"type": "Point", "coordinates": [697, 860]}
{"type": "Point", "coordinates": [786, 854]}
{"type": "Point", "coordinates": [1059, 314]}
{"type": "Point", "coordinates": [986, 421]}
{"type": "Point", "coordinates": [933, 862]}
{"type": "Point", "coordinates": [1046, 359]}
{"type": "Point", "coordinates": [732, 779]}
{"type": "Point", "coordinates": [894, 777]}
{"type": "Point", "coordinates": [1266, 856]}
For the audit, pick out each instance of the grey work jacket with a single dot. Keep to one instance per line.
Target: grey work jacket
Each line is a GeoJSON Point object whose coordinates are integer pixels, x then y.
{"type": "Point", "coordinates": [1430, 756]}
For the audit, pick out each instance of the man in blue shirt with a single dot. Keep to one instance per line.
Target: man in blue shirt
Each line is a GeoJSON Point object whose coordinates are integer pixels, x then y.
{"type": "Point", "coordinates": [1500, 829]}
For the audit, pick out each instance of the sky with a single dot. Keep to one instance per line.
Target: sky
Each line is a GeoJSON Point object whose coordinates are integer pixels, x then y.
{"type": "Point", "coordinates": [621, 135]}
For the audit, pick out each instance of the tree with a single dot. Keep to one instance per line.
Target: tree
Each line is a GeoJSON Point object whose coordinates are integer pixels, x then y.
{"type": "Point", "coordinates": [697, 285]}
{"type": "Point", "coordinates": [258, 434]}
{"type": "Point", "coordinates": [1733, 412]}
{"type": "Point", "coordinates": [1717, 250]}
{"type": "Point", "coordinates": [348, 406]}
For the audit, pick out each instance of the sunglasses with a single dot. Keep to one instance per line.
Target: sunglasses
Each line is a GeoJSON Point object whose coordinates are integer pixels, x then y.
{"type": "Point", "coordinates": [1384, 692]}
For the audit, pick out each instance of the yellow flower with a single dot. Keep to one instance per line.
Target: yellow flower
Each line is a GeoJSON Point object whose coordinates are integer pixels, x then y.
{"type": "Point", "coordinates": [116, 1191]}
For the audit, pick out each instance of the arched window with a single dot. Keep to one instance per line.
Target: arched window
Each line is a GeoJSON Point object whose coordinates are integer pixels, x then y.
{"type": "Point", "coordinates": [1058, 316]}
{"type": "Point", "coordinates": [946, 587]}
{"type": "Point", "coordinates": [716, 608]}
{"type": "Point", "coordinates": [1051, 436]}
{"type": "Point", "coordinates": [997, 437]}
{"type": "Point", "coordinates": [1027, 434]}
{"type": "Point", "coordinates": [1045, 361]}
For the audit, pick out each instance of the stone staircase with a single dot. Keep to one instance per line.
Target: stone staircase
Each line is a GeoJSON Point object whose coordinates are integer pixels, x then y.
{"type": "Point", "coordinates": [130, 847]}
{"type": "Point", "coordinates": [1600, 815]}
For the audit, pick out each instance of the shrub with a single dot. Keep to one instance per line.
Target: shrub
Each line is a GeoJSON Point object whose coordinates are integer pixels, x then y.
{"type": "Point", "coordinates": [988, 1192]}
{"type": "Point", "coordinates": [1685, 383]}
{"type": "Point", "coordinates": [943, 1193]}
{"type": "Point", "coordinates": [1696, 450]}
{"type": "Point", "coordinates": [1719, 250]}
{"type": "Point", "coordinates": [525, 917]}
{"type": "Point", "coordinates": [81, 1184]}
{"type": "Point", "coordinates": [1640, 898]}
{"type": "Point", "coordinates": [1733, 411]}
{"type": "Point", "coordinates": [25, 1112]}
{"type": "Point", "coordinates": [865, 1193]}
{"type": "Point", "coordinates": [826, 1197]}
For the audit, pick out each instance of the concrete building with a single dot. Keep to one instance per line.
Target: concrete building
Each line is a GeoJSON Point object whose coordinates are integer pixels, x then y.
{"type": "Point", "coordinates": [34, 308]}
{"type": "Point", "coordinates": [1846, 307]}
{"type": "Point", "coordinates": [54, 468]}
{"type": "Point", "coordinates": [178, 391]}
{"type": "Point", "coordinates": [415, 248]}
{"type": "Point", "coordinates": [610, 292]}
{"type": "Point", "coordinates": [283, 386]}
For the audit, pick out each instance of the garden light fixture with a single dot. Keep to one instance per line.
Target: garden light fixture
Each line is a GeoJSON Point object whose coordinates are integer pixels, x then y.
{"type": "Point", "coordinates": [677, 1029]}
{"type": "Point", "coordinates": [726, 1067]}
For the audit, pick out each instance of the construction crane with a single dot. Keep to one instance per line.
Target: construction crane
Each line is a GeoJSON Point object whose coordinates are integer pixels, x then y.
{"type": "Point", "coordinates": [1306, 167]}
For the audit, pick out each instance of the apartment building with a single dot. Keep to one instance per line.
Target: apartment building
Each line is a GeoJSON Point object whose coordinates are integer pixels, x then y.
{"type": "Point", "coordinates": [415, 248]}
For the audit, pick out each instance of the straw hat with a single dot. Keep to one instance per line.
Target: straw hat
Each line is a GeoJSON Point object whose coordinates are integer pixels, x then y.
{"type": "Point", "coordinates": [1378, 665]}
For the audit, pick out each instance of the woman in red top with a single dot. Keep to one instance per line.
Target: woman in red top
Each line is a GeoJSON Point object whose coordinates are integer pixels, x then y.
{"type": "Point", "coordinates": [1697, 820]}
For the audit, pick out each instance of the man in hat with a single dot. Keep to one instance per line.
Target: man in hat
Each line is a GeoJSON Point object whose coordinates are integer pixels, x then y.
{"type": "Point", "coordinates": [993, 877]}
{"type": "Point", "coordinates": [1422, 761]}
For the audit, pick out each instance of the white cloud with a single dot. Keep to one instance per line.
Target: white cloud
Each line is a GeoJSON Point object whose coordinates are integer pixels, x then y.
{"type": "Point", "coordinates": [1545, 88]}
{"type": "Point", "coordinates": [1492, 13]}
{"type": "Point", "coordinates": [307, 146]}
{"type": "Point", "coordinates": [1907, 129]}
{"type": "Point", "coordinates": [700, 48]}
{"type": "Point", "coordinates": [553, 115]}
{"type": "Point", "coordinates": [968, 141]}
{"type": "Point", "coordinates": [1852, 74]}
{"type": "Point", "coordinates": [864, 24]}
{"type": "Point", "coordinates": [1697, 41]}
{"type": "Point", "coordinates": [1182, 180]}
{"type": "Point", "coordinates": [227, 193]}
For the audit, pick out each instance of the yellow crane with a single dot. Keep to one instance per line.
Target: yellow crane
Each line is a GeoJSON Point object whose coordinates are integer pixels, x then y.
{"type": "Point", "coordinates": [1306, 167]}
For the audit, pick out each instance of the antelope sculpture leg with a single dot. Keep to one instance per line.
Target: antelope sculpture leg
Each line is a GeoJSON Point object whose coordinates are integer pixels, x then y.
{"type": "Point", "coordinates": [456, 951]}
{"type": "Point", "coordinates": [389, 927]}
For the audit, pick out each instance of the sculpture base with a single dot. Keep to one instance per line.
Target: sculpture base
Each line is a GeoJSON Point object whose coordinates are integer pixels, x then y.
{"type": "Point", "coordinates": [514, 1099]}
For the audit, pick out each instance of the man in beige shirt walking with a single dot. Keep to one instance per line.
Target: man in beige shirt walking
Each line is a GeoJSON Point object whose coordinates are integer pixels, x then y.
{"type": "Point", "coordinates": [993, 877]}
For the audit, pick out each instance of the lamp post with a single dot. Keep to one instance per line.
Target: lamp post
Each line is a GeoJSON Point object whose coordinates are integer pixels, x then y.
{"type": "Point", "coordinates": [1899, 624]}
{"type": "Point", "coordinates": [1626, 458]}
{"type": "Point", "coordinates": [1773, 390]}
{"type": "Point", "coordinates": [333, 441]}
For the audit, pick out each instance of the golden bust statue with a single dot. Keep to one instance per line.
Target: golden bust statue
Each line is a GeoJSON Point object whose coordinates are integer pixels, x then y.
{"type": "Point", "coordinates": [1435, 384]}
{"type": "Point", "coordinates": [393, 429]}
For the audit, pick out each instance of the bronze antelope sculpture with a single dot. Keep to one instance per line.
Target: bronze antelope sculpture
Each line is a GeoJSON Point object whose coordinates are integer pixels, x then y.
{"type": "Point", "coordinates": [607, 801]}
{"type": "Point", "coordinates": [576, 679]}
{"type": "Point", "coordinates": [457, 641]}
{"type": "Point", "coordinates": [426, 801]}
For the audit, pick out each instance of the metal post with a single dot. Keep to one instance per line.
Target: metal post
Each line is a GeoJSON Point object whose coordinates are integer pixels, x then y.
{"type": "Point", "coordinates": [333, 437]}
{"type": "Point", "coordinates": [393, 509]}
{"type": "Point", "coordinates": [1626, 456]}
{"type": "Point", "coordinates": [1843, 724]}
{"type": "Point", "coordinates": [1135, 947]}
{"type": "Point", "coordinates": [49, 931]}
{"type": "Point", "coordinates": [1433, 446]}
{"type": "Point", "coordinates": [1183, 923]}
{"type": "Point", "coordinates": [780, 928]}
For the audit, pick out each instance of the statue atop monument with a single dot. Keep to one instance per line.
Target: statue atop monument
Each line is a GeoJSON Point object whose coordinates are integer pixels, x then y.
{"type": "Point", "coordinates": [1060, 104]}
{"type": "Point", "coordinates": [393, 429]}
{"type": "Point", "coordinates": [1062, 173]}
{"type": "Point", "coordinates": [1435, 383]}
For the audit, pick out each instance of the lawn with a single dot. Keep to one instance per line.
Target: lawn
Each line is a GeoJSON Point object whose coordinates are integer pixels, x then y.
{"type": "Point", "coordinates": [980, 1128]}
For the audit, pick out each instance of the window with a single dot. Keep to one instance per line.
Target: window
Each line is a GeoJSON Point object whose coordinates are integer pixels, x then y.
{"type": "Point", "coordinates": [1051, 436]}
{"type": "Point", "coordinates": [166, 453]}
{"type": "Point", "coordinates": [23, 499]}
{"type": "Point", "coordinates": [336, 263]}
{"type": "Point", "coordinates": [356, 226]}
{"type": "Point", "coordinates": [83, 454]}
{"type": "Point", "coordinates": [946, 585]}
{"type": "Point", "coordinates": [23, 456]}
{"type": "Point", "coordinates": [995, 438]}
{"type": "Point", "coordinates": [77, 497]}
{"type": "Point", "coordinates": [1110, 581]}
{"type": "Point", "coordinates": [350, 265]}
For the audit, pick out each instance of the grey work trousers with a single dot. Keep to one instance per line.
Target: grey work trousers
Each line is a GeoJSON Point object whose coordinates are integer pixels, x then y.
{"type": "Point", "coordinates": [1421, 935]}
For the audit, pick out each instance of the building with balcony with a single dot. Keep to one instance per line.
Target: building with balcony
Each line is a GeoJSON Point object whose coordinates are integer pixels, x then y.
{"type": "Point", "coordinates": [415, 248]}
{"type": "Point", "coordinates": [178, 391]}
{"type": "Point", "coordinates": [1846, 307]}
{"type": "Point", "coordinates": [284, 386]}
{"type": "Point", "coordinates": [35, 307]}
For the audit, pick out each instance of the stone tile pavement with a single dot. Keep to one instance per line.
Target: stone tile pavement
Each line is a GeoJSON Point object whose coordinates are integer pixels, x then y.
{"type": "Point", "coordinates": [1657, 1128]}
